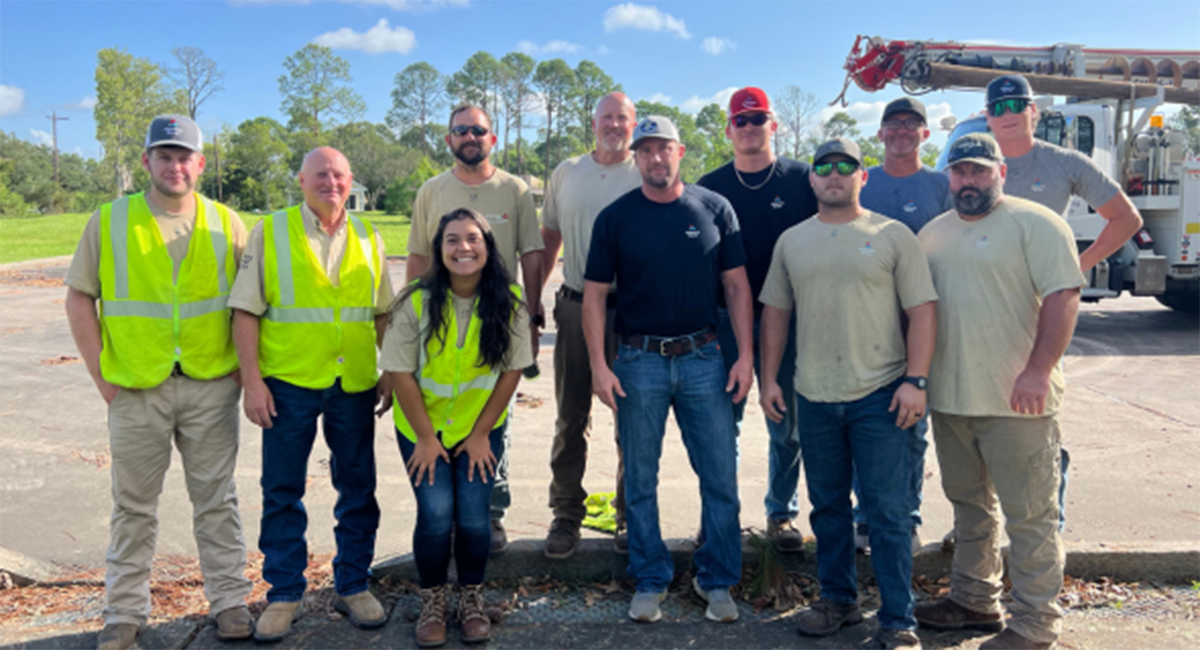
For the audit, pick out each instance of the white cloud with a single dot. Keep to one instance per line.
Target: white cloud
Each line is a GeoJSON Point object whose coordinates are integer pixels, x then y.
{"type": "Point", "coordinates": [41, 137]}
{"type": "Point", "coordinates": [551, 47]}
{"type": "Point", "coordinates": [694, 103]}
{"type": "Point", "coordinates": [715, 45]}
{"type": "Point", "coordinates": [377, 40]}
{"type": "Point", "coordinates": [659, 98]}
{"type": "Point", "coordinates": [12, 99]}
{"type": "Point", "coordinates": [85, 104]}
{"type": "Point", "coordinates": [647, 19]}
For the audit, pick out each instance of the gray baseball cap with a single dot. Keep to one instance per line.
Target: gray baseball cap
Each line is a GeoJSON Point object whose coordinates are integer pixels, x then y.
{"type": "Point", "coordinates": [977, 148]}
{"type": "Point", "coordinates": [844, 146]}
{"type": "Point", "coordinates": [904, 105]}
{"type": "Point", "coordinates": [174, 131]}
{"type": "Point", "coordinates": [654, 126]}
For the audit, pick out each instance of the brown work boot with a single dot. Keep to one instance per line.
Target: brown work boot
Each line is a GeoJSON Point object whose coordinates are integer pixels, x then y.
{"type": "Point", "coordinates": [431, 626]}
{"type": "Point", "coordinates": [116, 636]}
{"type": "Point", "coordinates": [563, 539]}
{"type": "Point", "coordinates": [1010, 640]}
{"type": "Point", "coordinates": [363, 610]}
{"type": "Point", "coordinates": [786, 536]}
{"type": "Point", "coordinates": [235, 623]}
{"type": "Point", "coordinates": [621, 541]}
{"type": "Point", "coordinates": [946, 614]}
{"type": "Point", "coordinates": [274, 623]}
{"type": "Point", "coordinates": [499, 538]}
{"type": "Point", "coordinates": [897, 640]}
{"type": "Point", "coordinates": [472, 615]}
{"type": "Point", "coordinates": [826, 617]}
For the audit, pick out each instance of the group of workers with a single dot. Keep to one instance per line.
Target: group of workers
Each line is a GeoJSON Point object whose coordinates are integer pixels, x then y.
{"type": "Point", "coordinates": [863, 300]}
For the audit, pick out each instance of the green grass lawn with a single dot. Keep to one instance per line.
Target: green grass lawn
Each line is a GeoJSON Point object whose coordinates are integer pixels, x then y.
{"type": "Point", "coordinates": [58, 234]}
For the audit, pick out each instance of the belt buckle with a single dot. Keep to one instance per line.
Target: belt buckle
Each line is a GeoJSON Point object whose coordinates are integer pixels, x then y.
{"type": "Point", "coordinates": [662, 347]}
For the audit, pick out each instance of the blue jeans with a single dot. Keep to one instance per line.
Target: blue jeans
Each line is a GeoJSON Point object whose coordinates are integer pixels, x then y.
{"type": "Point", "coordinates": [349, 428]}
{"type": "Point", "coordinates": [783, 456]}
{"type": "Point", "coordinates": [501, 497]}
{"type": "Point", "coordinates": [838, 437]}
{"type": "Point", "coordinates": [918, 443]}
{"type": "Point", "coordinates": [694, 385]}
{"type": "Point", "coordinates": [453, 504]}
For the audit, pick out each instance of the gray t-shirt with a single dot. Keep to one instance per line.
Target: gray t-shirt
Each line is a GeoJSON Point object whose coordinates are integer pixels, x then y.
{"type": "Point", "coordinates": [912, 200]}
{"type": "Point", "coordinates": [1050, 175]}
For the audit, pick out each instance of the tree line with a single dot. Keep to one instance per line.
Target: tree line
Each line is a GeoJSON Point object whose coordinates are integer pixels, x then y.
{"type": "Point", "coordinates": [541, 110]}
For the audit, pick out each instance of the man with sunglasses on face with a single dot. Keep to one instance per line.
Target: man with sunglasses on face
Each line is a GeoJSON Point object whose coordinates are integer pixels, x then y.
{"type": "Point", "coordinates": [904, 189]}
{"type": "Point", "coordinates": [769, 194]}
{"type": "Point", "coordinates": [848, 275]}
{"type": "Point", "coordinates": [474, 182]}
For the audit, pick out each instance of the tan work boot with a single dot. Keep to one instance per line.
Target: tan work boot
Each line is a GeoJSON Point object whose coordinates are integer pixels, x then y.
{"type": "Point", "coordinates": [235, 623]}
{"type": "Point", "coordinates": [946, 614]}
{"type": "Point", "coordinates": [472, 615]}
{"type": "Point", "coordinates": [363, 609]}
{"type": "Point", "coordinates": [116, 636]}
{"type": "Point", "coordinates": [276, 621]}
{"type": "Point", "coordinates": [431, 627]}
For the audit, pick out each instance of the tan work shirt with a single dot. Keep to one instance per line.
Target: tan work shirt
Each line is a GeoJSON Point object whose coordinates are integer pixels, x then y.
{"type": "Point", "coordinates": [403, 338]}
{"type": "Point", "coordinates": [249, 290]}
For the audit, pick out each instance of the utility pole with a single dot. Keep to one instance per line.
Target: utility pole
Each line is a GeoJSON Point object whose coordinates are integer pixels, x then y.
{"type": "Point", "coordinates": [54, 120]}
{"type": "Point", "coordinates": [217, 156]}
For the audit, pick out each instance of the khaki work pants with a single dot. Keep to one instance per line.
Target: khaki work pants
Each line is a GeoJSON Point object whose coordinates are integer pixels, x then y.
{"type": "Point", "coordinates": [201, 419]}
{"type": "Point", "coordinates": [994, 467]}
{"type": "Point", "coordinates": [573, 394]}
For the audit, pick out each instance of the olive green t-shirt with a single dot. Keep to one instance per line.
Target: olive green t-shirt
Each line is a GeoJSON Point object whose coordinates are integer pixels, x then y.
{"type": "Point", "coordinates": [991, 275]}
{"type": "Point", "coordinates": [503, 199]}
{"type": "Point", "coordinates": [848, 283]}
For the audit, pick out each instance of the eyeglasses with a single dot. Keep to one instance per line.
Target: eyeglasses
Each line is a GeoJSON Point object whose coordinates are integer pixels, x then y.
{"type": "Point", "coordinates": [910, 124]}
{"type": "Point", "coordinates": [461, 130]}
{"type": "Point", "coordinates": [1015, 105]}
{"type": "Point", "coordinates": [844, 168]}
{"type": "Point", "coordinates": [757, 119]}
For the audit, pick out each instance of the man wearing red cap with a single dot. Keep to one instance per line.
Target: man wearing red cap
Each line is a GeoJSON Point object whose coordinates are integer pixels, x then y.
{"type": "Point", "coordinates": [769, 194]}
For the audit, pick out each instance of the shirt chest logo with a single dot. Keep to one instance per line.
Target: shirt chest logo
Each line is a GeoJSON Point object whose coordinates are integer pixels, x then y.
{"type": "Point", "coordinates": [982, 243]}
{"type": "Point", "coordinates": [777, 203]}
{"type": "Point", "coordinates": [1038, 186]}
{"type": "Point", "coordinates": [692, 232]}
{"type": "Point", "coordinates": [473, 197]}
{"type": "Point", "coordinates": [867, 250]}
{"type": "Point", "coordinates": [911, 206]}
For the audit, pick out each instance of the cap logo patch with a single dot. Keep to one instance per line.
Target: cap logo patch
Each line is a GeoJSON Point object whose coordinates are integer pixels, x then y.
{"type": "Point", "coordinates": [649, 126]}
{"type": "Point", "coordinates": [172, 130]}
{"type": "Point", "coordinates": [750, 102]}
{"type": "Point", "coordinates": [1007, 87]}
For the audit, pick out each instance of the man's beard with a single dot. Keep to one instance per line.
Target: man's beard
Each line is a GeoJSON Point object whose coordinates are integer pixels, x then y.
{"type": "Point", "coordinates": [614, 144]}
{"type": "Point", "coordinates": [976, 201]}
{"type": "Point", "coordinates": [848, 198]}
{"type": "Point", "coordinates": [650, 180]}
{"type": "Point", "coordinates": [470, 161]}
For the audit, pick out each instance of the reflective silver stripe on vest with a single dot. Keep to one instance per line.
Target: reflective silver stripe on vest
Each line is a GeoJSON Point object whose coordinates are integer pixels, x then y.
{"type": "Point", "coordinates": [137, 308]}
{"type": "Point", "coordinates": [118, 234]}
{"type": "Point", "coordinates": [220, 241]}
{"type": "Point", "coordinates": [283, 262]}
{"type": "Point", "coordinates": [300, 314]}
{"type": "Point", "coordinates": [358, 314]}
{"type": "Point", "coordinates": [486, 382]}
{"type": "Point", "coordinates": [364, 241]}
{"type": "Point", "coordinates": [202, 307]}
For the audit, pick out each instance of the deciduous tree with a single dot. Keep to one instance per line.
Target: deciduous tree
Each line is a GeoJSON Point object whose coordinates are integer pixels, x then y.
{"type": "Point", "coordinates": [197, 75]}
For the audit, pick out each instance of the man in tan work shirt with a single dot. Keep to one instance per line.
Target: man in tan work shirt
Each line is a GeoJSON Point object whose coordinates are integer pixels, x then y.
{"type": "Point", "coordinates": [474, 182]}
{"type": "Point", "coordinates": [161, 355]}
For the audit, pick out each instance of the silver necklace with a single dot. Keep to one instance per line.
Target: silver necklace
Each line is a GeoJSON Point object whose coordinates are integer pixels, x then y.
{"type": "Point", "coordinates": [759, 186]}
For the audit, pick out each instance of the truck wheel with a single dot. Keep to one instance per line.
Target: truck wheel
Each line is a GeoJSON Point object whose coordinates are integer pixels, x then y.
{"type": "Point", "coordinates": [1186, 302]}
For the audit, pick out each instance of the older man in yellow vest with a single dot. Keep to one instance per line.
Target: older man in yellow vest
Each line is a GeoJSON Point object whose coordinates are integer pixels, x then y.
{"type": "Point", "coordinates": [160, 351]}
{"type": "Point", "coordinates": [309, 306]}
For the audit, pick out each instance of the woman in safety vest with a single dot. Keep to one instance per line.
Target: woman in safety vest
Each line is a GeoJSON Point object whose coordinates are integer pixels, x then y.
{"type": "Point", "coordinates": [455, 345]}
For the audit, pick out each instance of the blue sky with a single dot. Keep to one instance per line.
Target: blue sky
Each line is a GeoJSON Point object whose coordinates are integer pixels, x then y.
{"type": "Point", "coordinates": [683, 53]}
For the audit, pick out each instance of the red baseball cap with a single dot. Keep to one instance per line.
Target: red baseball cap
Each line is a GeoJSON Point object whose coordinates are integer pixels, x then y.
{"type": "Point", "coordinates": [749, 100]}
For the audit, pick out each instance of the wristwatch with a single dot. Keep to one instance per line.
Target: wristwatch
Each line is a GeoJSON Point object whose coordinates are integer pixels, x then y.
{"type": "Point", "coordinates": [919, 382]}
{"type": "Point", "coordinates": [538, 320]}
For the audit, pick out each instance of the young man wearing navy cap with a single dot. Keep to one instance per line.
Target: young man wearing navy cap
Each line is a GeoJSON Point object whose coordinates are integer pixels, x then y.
{"type": "Point", "coordinates": [770, 194]}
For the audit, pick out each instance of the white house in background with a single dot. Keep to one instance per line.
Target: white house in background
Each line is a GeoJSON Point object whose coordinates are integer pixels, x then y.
{"type": "Point", "coordinates": [357, 201]}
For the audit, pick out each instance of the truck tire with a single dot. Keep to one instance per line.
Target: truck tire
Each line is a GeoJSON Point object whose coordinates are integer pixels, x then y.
{"type": "Point", "coordinates": [1185, 300]}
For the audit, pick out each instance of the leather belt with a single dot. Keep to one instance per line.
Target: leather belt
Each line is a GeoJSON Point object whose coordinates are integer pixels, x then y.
{"type": "Point", "coordinates": [670, 346]}
{"type": "Point", "coordinates": [574, 296]}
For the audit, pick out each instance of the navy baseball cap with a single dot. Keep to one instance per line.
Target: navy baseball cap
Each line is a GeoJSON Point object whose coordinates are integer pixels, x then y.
{"type": "Point", "coordinates": [1009, 86]}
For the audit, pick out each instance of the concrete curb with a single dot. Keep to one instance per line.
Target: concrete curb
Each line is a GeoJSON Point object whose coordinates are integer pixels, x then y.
{"type": "Point", "coordinates": [27, 570]}
{"type": "Point", "coordinates": [595, 561]}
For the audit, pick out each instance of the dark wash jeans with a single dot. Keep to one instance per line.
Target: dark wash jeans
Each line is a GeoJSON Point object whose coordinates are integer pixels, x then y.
{"type": "Point", "coordinates": [453, 505]}
{"type": "Point", "coordinates": [348, 422]}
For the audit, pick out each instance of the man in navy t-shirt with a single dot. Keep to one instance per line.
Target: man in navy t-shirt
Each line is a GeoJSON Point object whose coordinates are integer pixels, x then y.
{"type": "Point", "coordinates": [672, 249]}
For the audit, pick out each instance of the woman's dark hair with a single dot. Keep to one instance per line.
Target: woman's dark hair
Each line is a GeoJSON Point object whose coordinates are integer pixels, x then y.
{"type": "Point", "coordinates": [496, 301]}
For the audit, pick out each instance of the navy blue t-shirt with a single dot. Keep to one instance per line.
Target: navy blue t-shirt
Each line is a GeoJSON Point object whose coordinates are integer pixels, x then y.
{"type": "Point", "coordinates": [763, 214]}
{"type": "Point", "coordinates": [666, 258]}
{"type": "Point", "coordinates": [912, 200]}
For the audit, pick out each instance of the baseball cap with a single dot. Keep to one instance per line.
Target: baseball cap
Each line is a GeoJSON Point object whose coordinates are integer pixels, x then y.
{"type": "Point", "coordinates": [749, 100]}
{"type": "Point", "coordinates": [977, 148]}
{"type": "Point", "coordinates": [1008, 86]}
{"type": "Point", "coordinates": [654, 126]}
{"type": "Point", "coordinates": [844, 146]}
{"type": "Point", "coordinates": [174, 131]}
{"type": "Point", "coordinates": [904, 105]}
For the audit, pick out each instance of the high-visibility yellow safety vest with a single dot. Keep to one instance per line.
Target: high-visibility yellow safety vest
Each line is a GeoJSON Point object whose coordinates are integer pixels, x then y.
{"type": "Point", "coordinates": [454, 386]}
{"type": "Point", "coordinates": [313, 332]}
{"type": "Point", "coordinates": [149, 319]}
